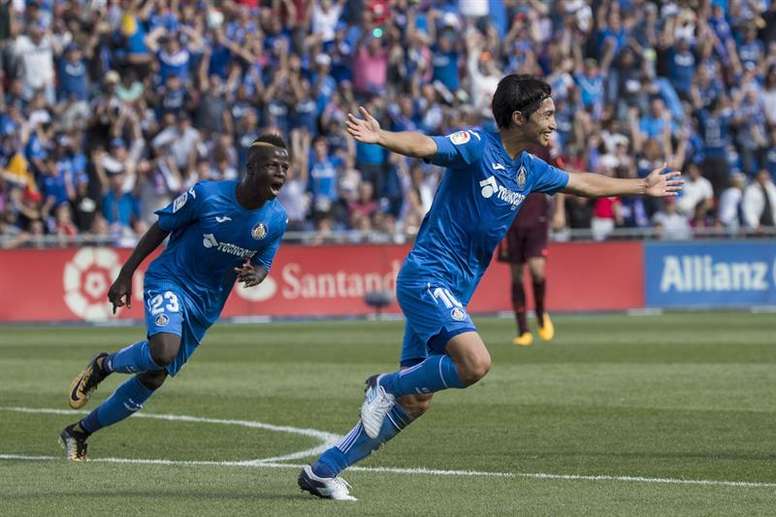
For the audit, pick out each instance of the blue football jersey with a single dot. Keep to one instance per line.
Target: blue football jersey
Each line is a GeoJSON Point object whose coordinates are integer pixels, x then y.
{"type": "Point", "coordinates": [211, 235]}
{"type": "Point", "coordinates": [480, 194]}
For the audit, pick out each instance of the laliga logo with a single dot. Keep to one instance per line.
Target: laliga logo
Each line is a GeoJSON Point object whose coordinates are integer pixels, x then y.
{"type": "Point", "coordinates": [263, 291]}
{"type": "Point", "coordinates": [87, 278]}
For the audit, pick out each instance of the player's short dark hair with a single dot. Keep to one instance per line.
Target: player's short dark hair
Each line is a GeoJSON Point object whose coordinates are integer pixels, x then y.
{"type": "Point", "coordinates": [522, 93]}
{"type": "Point", "coordinates": [271, 138]}
{"type": "Point", "coordinates": [261, 148]}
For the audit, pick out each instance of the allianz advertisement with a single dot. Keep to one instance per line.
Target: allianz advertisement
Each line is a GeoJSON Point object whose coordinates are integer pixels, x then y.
{"type": "Point", "coordinates": [708, 273]}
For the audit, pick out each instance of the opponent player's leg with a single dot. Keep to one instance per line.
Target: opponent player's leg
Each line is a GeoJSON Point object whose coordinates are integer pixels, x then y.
{"type": "Point", "coordinates": [537, 267]}
{"type": "Point", "coordinates": [524, 336]}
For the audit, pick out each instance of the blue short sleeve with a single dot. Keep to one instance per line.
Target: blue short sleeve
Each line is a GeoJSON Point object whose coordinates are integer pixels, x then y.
{"type": "Point", "coordinates": [549, 179]}
{"type": "Point", "coordinates": [458, 150]}
{"type": "Point", "coordinates": [266, 256]}
{"type": "Point", "coordinates": [183, 211]}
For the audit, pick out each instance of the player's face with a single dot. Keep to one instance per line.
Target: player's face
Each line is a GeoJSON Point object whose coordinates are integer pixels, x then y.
{"type": "Point", "coordinates": [271, 172]}
{"type": "Point", "coordinates": [542, 124]}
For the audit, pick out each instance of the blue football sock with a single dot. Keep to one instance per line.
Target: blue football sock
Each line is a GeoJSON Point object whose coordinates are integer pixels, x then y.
{"type": "Point", "coordinates": [435, 373]}
{"type": "Point", "coordinates": [356, 445]}
{"type": "Point", "coordinates": [131, 359]}
{"type": "Point", "coordinates": [128, 398]}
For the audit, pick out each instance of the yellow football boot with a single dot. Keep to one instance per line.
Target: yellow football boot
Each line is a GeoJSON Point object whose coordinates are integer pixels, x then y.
{"type": "Point", "coordinates": [84, 385]}
{"type": "Point", "coordinates": [73, 440]}
{"type": "Point", "coordinates": [547, 330]}
{"type": "Point", "coordinates": [524, 339]}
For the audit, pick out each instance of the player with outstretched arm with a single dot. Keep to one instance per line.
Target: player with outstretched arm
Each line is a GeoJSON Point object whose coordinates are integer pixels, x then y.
{"type": "Point", "coordinates": [220, 232]}
{"type": "Point", "coordinates": [488, 176]}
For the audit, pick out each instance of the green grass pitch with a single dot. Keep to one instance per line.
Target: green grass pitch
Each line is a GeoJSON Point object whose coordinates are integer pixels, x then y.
{"type": "Point", "coordinates": [641, 401]}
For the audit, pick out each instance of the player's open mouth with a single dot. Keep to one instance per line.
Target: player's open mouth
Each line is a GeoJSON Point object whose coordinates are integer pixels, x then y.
{"type": "Point", "coordinates": [276, 183]}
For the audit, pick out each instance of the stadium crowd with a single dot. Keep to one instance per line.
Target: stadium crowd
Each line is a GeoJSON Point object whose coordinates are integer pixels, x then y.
{"type": "Point", "coordinates": [111, 108]}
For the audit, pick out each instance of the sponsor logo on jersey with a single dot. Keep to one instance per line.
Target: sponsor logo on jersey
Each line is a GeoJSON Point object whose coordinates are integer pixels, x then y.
{"type": "Point", "coordinates": [259, 231]}
{"type": "Point", "coordinates": [457, 314]}
{"type": "Point", "coordinates": [521, 177]}
{"type": "Point", "coordinates": [162, 320]}
{"type": "Point", "coordinates": [209, 241]}
{"type": "Point", "coordinates": [490, 187]}
{"type": "Point", "coordinates": [223, 219]}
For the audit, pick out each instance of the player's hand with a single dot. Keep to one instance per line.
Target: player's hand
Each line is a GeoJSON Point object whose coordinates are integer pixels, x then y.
{"type": "Point", "coordinates": [664, 183]}
{"type": "Point", "coordinates": [249, 275]}
{"type": "Point", "coordinates": [366, 129]}
{"type": "Point", "coordinates": [120, 293]}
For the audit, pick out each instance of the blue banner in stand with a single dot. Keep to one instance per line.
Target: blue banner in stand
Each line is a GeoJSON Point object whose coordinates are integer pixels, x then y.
{"type": "Point", "coordinates": [710, 274]}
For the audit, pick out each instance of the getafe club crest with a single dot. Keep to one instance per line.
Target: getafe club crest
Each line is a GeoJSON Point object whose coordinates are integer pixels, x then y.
{"type": "Point", "coordinates": [259, 231]}
{"type": "Point", "coordinates": [457, 314]}
{"type": "Point", "coordinates": [521, 177]}
{"type": "Point", "coordinates": [162, 320]}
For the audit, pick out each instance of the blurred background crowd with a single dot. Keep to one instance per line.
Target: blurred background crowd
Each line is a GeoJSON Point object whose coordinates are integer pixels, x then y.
{"type": "Point", "coordinates": [110, 108]}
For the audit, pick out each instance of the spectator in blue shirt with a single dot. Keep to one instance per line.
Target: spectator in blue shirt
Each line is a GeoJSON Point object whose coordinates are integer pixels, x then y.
{"type": "Point", "coordinates": [72, 80]}
{"type": "Point", "coordinates": [591, 85]}
{"type": "Point", "coordinates": [403, 115]}
{"type": "Point", "coordinates": [681, 67]}
{"type": "Point", "coordinates": [714, 129]}
{"type": "Point", "coordinates": [751, 50]}
{"type": "Point", "coordinates": [120, 208]}
{"type": "Point", "coordinates": [172, 56]}
{"type": "Point", "coordinates": [446, 63]}
{"type": "Point", "coordinates": [52, 182]}
{"type": "Point", "coordinates": [323, 176]}
{"type": "Point", "coordinates": [653, 123]}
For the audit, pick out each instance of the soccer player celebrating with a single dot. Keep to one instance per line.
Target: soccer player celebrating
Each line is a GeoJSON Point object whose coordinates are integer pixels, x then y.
{"type": "Point", "coordinates": [488, 176]}
{"type": "Point", "coordinates": [220, 232]}
{"type": "Point", "coordinates": [526, 243]}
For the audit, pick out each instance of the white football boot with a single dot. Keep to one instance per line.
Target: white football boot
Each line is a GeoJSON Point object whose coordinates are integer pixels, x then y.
{"type": "Point", "coordinates": [325, 488]}
{"type": "Point", "coordinates": [377, 404]}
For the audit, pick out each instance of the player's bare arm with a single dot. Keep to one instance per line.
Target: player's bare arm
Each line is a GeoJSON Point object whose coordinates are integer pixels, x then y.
{"type": "Point", "coordinates": [409, 143]}
{"type": "Point", "coordinates": [120, 292]}
{"type": "Point", "coordinates": [657, 184]}
{"type": "Point", "coordinates": [250, 275]}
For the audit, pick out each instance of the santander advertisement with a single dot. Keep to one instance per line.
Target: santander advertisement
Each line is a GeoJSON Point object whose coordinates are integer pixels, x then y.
{"type": "Point", "coordinates": [308, 281]}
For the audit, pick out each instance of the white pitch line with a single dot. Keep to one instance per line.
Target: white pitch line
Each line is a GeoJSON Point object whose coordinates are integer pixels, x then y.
{"type": "Point", "coordinates": [411, 471]}
{"type": "Point", "coordinates": [330, 439]}
{"type": "Point", "coordinates": [327, 439]}
{"type": "Point", "coordinates": [640, 479]}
